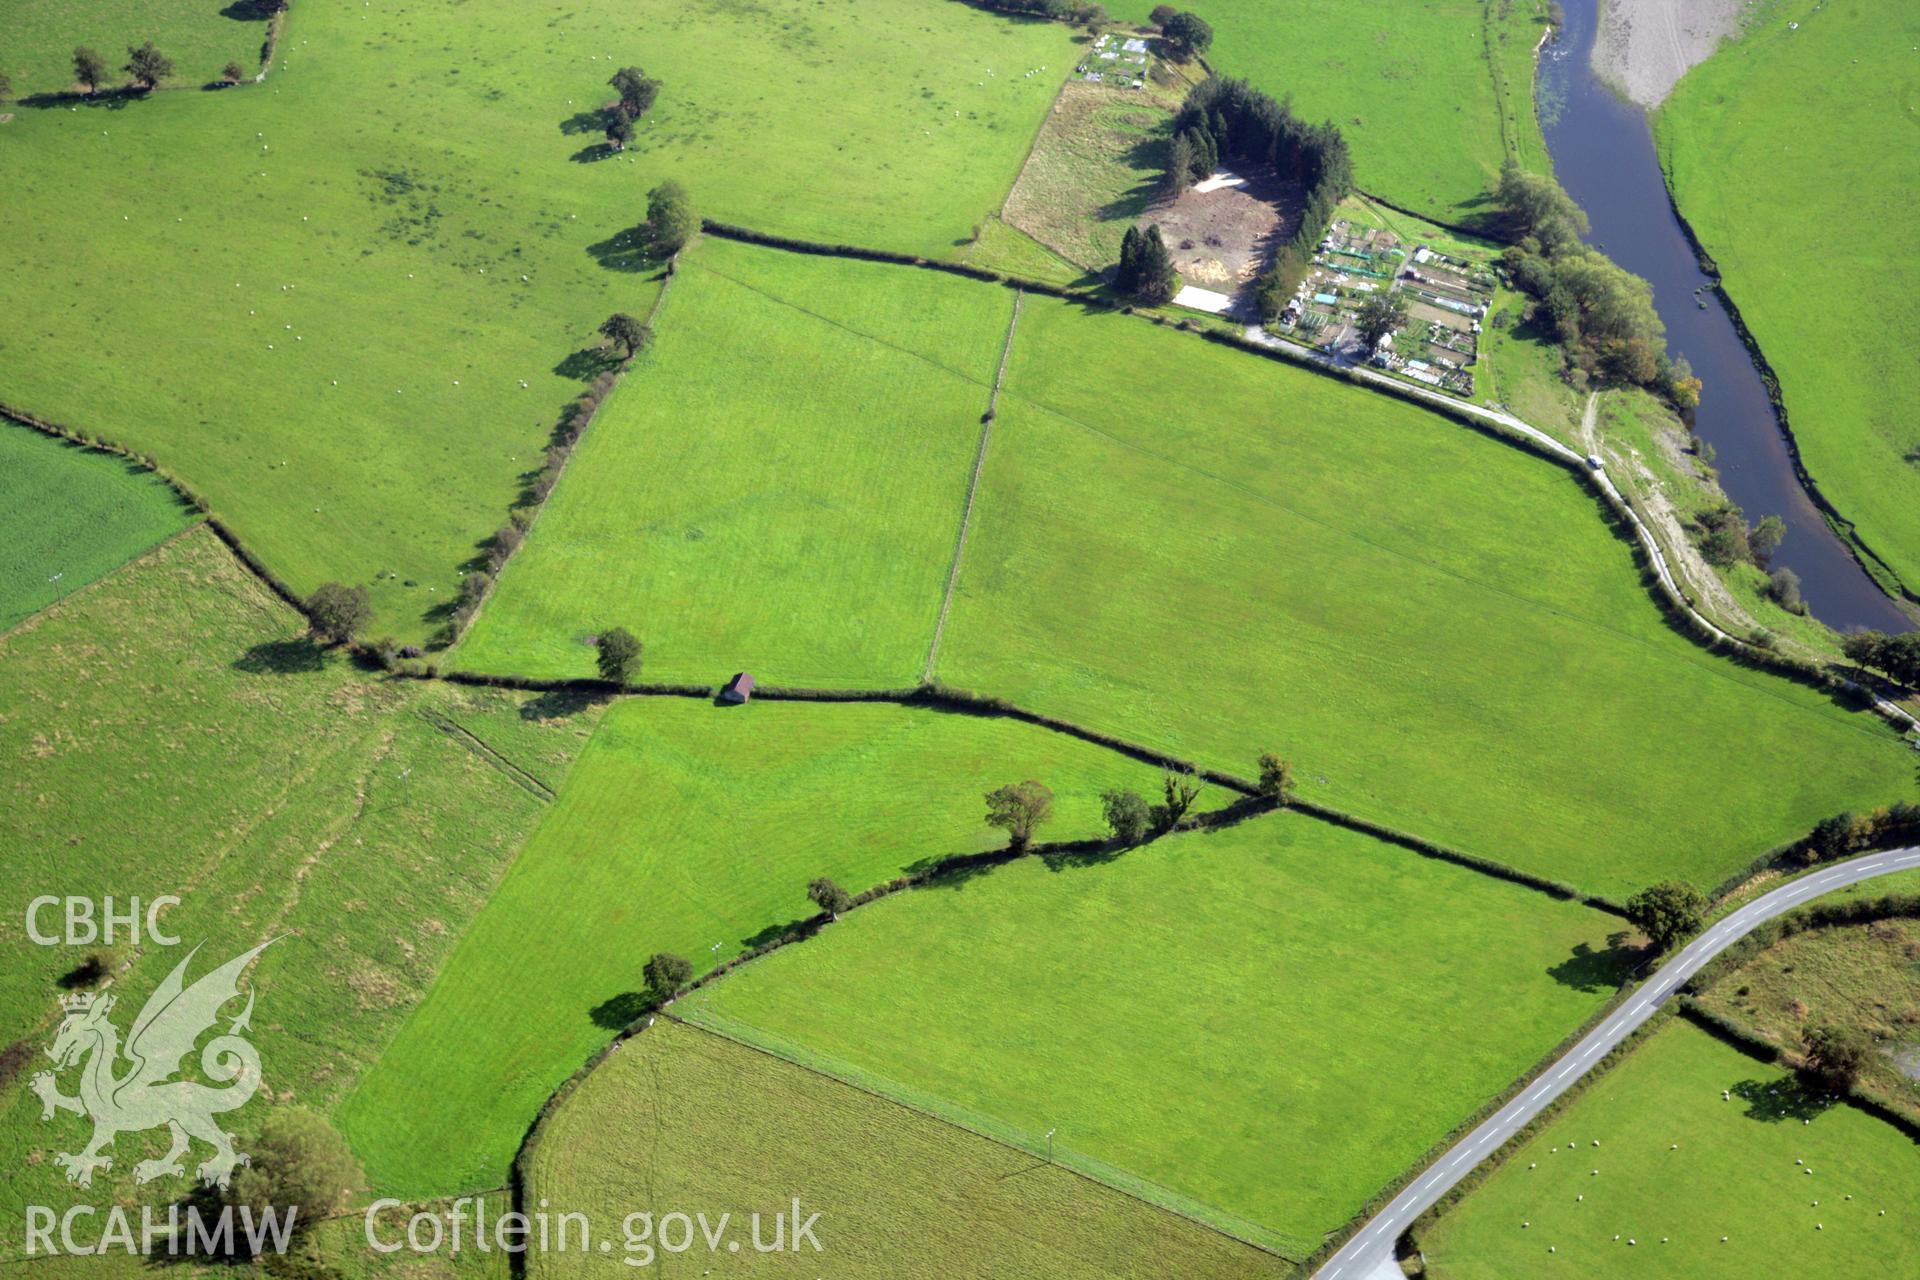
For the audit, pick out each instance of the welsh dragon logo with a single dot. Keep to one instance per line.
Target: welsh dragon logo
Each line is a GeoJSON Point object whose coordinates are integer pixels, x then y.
{"type": "Point", "coordinates": [146, 1095]}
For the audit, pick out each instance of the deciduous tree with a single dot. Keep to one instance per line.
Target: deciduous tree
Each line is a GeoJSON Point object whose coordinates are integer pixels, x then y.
{"type": "Point", "coordinates": [89, 68]}
{"type": "Point", "coordinates": [298, 1165]}
{"type": "Point", "coordinates": [1834, 1056]}
{"type": "Point", "coordinates": [829, 897]}
{"type": "Point", "coordinates": [1667, 912]}
{"type": "Point", "coordinates": [637, 91]}
{"type": "Point", "coordinates": [1276, 778]}
{"type": "Point", "coordinates": [1188, 33]}
{"type": "Point", "coordinates": [671, 221]}
{"type": "Point", "coordinates": [336, 611]}
{"type": "Point", "coordinates": [233, 73]}
{"type": "Point", "coordinates": [1128, 817]}
{"type": "Point", "coordinates": [1381, 314]}
{"type": "Point", "coordinates": [627, 331]}
{"type": "Point", "coordinates": [147, 65]}
{"type": "Point", "coordinates": [1020, 809]}
{"type": "Point", "coordinates": [1764, 539]}
{"type": "Point", "coordinates": [619, 655]}
{"type": "Point", "coordinates": [1178, 791]}
{"type": "Point", "coordinates": [666, 973]}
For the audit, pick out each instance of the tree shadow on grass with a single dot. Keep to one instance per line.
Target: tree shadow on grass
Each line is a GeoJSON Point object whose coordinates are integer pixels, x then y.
{"type": "Point", "coordinates": [594, 153]}
{"type": "Point", "coordinates": [776, 932]}
{"type": "Point", "coordinates": [105, 100]}
{"type": "Point", "coordinates": [1782, 1100]}
{"type": "Point", "coordinates": [85, 975]}
{"type": "Point", "coordinates": [252, 10]}
{"type": "Point", "coordinates": [625, 251]}
{"type": "Point", "coordinates": [583, 122]}
{"type": "Point", "coordinates": [587, 364]}
{"type": "Point", "coordinates": [297, 656]}
{"type": "Point", "coordinates": [618, 1012]}
{"type": "Point", "coordinates": [1590, 970]}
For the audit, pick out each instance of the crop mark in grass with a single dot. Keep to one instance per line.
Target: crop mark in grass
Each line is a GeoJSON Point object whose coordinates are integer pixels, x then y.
{"type": "Point", "coordinates": [838, 324]}
{"type": "Point", "coordinates": [472, 742]}
{"type": "Point", "coordinates": [973, 488]}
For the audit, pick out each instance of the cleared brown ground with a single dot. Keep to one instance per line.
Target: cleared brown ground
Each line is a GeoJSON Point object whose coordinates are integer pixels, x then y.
{"type": "Point", "coordinates": [1223, 239]}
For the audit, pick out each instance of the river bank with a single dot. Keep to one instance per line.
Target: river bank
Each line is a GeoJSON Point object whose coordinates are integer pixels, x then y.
{"type": "Point", "coordinates": [1603, 154]}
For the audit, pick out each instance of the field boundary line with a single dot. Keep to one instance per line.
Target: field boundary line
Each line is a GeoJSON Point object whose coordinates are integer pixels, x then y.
{"type": "Point", "coordinates": [981, 1130]}
{"type": "Point", "coordinates": [463, 625]}
{"type": "Point", "coordinates": [478, 746]}
{"type": "Point", "coordinates": [86, 589]}
{"type": "Point", "coordinates": [1672, 601]}
{"type": "Point", "coordinates": [799, 931]}
{"type": "Point", "coordinates": [941, 697]}
{"type": "Point", "coordinates": [973, 489]}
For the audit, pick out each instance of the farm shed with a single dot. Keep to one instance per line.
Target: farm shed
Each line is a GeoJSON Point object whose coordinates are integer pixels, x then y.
{"type": "Point", "coordinates": [737, 690]}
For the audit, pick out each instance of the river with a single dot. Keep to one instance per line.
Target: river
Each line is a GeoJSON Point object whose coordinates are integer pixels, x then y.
{"type": "Point", "coordinates": [1603, 154]}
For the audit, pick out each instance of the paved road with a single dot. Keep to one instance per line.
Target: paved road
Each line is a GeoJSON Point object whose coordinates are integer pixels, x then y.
{"type": "Point", "coordinates": [1369, 1255]}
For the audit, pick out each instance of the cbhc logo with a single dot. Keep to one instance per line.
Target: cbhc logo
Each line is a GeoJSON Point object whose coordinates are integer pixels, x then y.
{"type": "Point", "coordinates": [86, 926]}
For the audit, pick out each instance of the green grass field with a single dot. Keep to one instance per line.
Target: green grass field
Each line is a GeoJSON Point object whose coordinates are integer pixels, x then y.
{"type": "Point", "coordinates": [199, 35]}
{"type": "Point", "coordinates": [279, 291]}
{"type": "Point", "coordinates": [684, 826]}
{"type": "Point", "coordinates": [1440, 630]}
{"type": "Point", "coordinates": [1432, 95]}
{"type": "Point", "coordinates": [169, 733]}
{"type": "Point", "coordinates": [680, 1118]}
{"type": "Point", "coordinates": [1790, 153]}
{"type": "Point", "coordinates": [777, 488]}
{"type": "Point", "coordinates": [1737, 1174]}
{"type": "Point", "coordinates": [1266, 1023]}
{"type": "Point", "coordinates": [69, 517]}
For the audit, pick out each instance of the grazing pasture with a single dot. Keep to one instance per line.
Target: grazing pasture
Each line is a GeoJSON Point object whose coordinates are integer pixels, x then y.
{"type": "Point", "coordinates": [201, 36]}
{"type": "Point", "coordinates": [1219, 555]}
{"type": "Point", "coordinates": [1432, 95]}
{"type": "Point", "coordinates": [68, 517]}
{"type": "Point", "coordinates": [681, 1117]}
{"type": "Point", "coordinates": [1735, 1199]}
{"type": "Point", "coordinates": [1787, 155]}
{"type": "Point", "coordinates": [777, 487]}
{"type": "Point", "coordinates": [169, 732]}
{"type": "Point", "coordinates": [348, 303]}
{"type": "Point", "coordinates": [1262, 1024]}
{"type": "Point", "coordinates": [685, 826]}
